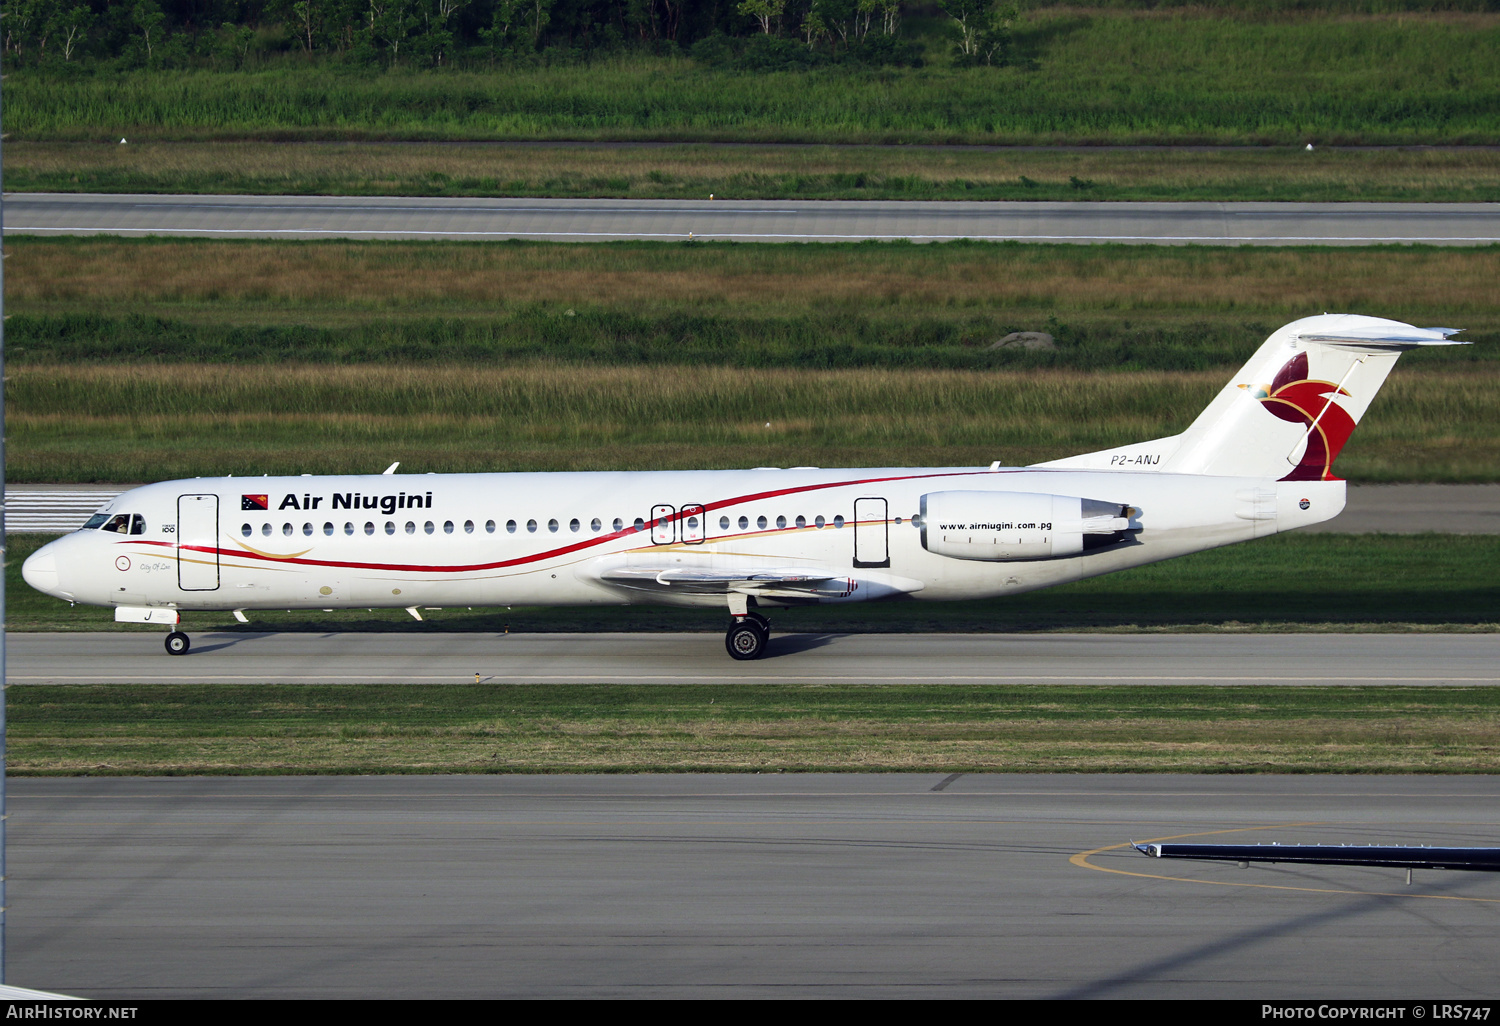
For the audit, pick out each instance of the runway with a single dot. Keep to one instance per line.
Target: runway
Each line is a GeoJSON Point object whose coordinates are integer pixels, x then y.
{"type": "Point", "coordinates": [312, 217]}
{"type": "Point", "coordinates": [738, 886]}
{"type": "Point", "coordinates": [137, 657]}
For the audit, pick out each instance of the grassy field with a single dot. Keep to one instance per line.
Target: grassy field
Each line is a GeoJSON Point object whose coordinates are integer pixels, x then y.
{"type": "Point", "coordinates": [1080, 76]}
{"type": "Point", "coordinates": [891, 304]}
{"type": "Point", "coordinates": [264, 729]}
{"type": "Point", "coordinates": [143, 360]}
{"type": "Point", "coordinates": [145, 422]}
{"type": "Point", "coordinates": [1363, 583]}
{"type": "Point", "coordinates": [696, 171]}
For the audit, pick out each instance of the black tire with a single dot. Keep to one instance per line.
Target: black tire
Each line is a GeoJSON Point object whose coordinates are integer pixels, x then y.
{"type": "Point", "coordinates": [746, 640]}
{"type": "Point", "coordinates": [178, 643]}
{"type": "Point", "coordinates": [765, 625]}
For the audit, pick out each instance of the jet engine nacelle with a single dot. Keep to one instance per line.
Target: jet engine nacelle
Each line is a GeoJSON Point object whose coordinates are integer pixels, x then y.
{"type": "Point", "coordinates": [1019, 525]}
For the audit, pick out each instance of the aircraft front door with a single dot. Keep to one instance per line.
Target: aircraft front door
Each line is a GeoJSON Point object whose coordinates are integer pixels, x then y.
{"type": "Point", "coordinates": [198, 542]}
{"type": "Point", "coordinates": [663, 525]}
{"type": "Point", "coordinates": [871, 537]}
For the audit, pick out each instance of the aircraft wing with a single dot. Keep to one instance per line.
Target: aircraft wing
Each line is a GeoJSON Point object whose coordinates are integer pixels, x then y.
{"type": "Point", "coordinates": [714, 581]}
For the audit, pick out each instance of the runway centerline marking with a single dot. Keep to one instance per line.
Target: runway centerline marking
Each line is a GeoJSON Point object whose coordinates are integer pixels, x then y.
{"type": "Point", "coordinates": [1081, 859]}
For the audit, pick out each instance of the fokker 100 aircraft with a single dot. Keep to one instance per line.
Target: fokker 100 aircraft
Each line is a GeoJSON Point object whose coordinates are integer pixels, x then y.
{"type": "Point", "coordinates": [1257, 460]}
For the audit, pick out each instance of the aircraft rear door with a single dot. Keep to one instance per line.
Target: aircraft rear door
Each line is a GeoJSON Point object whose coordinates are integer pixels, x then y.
{"type": "Point", "coordinates": [198, 542]}
{"type": "Point", "coordinates": [871, 538]}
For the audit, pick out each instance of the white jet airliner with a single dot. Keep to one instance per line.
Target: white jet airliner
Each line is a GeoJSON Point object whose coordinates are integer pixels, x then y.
{"type": "Point", "coordinates": [1258, 460]}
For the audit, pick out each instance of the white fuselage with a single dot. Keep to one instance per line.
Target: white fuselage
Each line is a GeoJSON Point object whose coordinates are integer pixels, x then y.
{"type": "Point", "coordinates": [575, 538]}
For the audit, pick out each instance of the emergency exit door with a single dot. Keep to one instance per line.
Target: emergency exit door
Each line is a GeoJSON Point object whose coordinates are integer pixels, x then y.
{"type": "Point", "coordinates": [198, 542]}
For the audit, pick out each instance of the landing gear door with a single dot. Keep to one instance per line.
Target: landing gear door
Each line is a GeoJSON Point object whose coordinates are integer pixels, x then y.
{"type": "Point", "coordinates": [198, 542]}
{"type": "Point", "coordinates": [871, 538]}
{"type": "Point", "coordinates": [663, 525]}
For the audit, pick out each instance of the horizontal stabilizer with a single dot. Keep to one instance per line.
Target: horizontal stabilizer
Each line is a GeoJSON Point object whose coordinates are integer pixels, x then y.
{"type": "Point", "coordinates": [1395, 856]}
{"type": "Point", "coordinates": [1385, 339]}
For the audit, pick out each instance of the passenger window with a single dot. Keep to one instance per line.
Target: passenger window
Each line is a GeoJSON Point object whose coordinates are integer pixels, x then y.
{"type": "Point", "coordinates": [369, 527]}
{"type": "Point", "coordinates": [489, 526]}
{"type": "Point", "coordinates": [307, 530]}
{"type": "Point", "coordinates": [348, 528]}
{"type": "Point", "coordinates": [510, 527]}
{"type": "Point", "coordinates": [468, 527]}
{"type": "Point", "coordinates": [427, 527]}
{"type": "Point", "coordinates": [573, 525]}
{"type": "Point", "coordinates": [819, 522]}
{"type": "Point", "coordinates": [328, 529]}
{"type": "Point", "coordinates": [640, 525]}
{"type": "Point", "coordinates": [390, 527]}
{"type": "Point", "coordinates": [760, 522]}
{"type": "Point", "coordinates": [838, 521]}
{"type": "Point", "coordinates": [744, 523]}
{"type": "Point", "coordinates": [286, 529]}
{"type": "Point", "coordinates": [265, 529]}
{"type": "Point", "coordinates": [411, 528]}
{"type": "Point", "coordinates": [447, 527]}
{"type": "Point", "coordinates": [801, 521]}
{"type": "Point", "coordinates": [619, 524]}
{"type": "Point", "coordinates": [531, 526]}
{"type": "Point", "coordinates": [781, 521]}
{"type": "Point", "coordinates": [552, 526]}
{"type": "Point", "coordinates": [247, 530]}
{"type": "Point", "coordinates": [723, 523]}
{"type": "Point", "coordinates": [594, 524]}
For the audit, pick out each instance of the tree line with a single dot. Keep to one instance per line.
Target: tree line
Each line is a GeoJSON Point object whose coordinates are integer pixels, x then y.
{"type": "Point", "coordinates": [751, 34]}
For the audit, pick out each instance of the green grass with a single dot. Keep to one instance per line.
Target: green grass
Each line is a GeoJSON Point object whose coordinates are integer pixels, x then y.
{"type": "Point", "coordinates": [1298, 582]}
{"type": "Point", "coordinates": [146, 422]}
{"type": "Point", "coordinates": [697, 171]}
{"type": "Point", "coordinates": [837, 305]}
{"type": "Point", "coordinates": [150, 359]}
{"type": "Point", "coordinates": [276, 729]}
{"type": "Point", "coordinates": [1095, 77]}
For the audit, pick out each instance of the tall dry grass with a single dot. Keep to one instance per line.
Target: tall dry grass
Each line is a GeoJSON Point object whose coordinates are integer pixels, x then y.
{"type": "Point", "coordinates": [251, 280]}
{"type": "Point", "coordinates": [752, 172]}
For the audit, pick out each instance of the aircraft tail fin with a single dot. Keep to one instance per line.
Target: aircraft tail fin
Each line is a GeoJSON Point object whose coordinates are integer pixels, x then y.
{"type": "Point", "coordinates": [1288, 412]}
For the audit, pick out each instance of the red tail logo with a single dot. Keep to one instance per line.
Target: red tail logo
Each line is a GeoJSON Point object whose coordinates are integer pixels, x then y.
{"type": "Point", "coordinates": [1295, 397]}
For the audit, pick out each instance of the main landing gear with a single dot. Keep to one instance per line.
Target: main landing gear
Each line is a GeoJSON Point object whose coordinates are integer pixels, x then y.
{"type": "Point", "coordinates": [178, 643]}
{"type": "Point", "coordinates": [748, 636]}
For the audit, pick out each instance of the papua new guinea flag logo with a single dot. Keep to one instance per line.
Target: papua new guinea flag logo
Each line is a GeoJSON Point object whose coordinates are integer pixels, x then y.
{"type": "Point", "coordinates": [1295, 397]}
{"type": "Point", "coordinates": [255, 502]}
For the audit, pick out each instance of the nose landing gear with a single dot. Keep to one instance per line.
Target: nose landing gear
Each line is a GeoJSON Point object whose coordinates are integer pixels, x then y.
{"type": "Point", "coordinates": [178, 643]}
{"type": "Point", "coordinates": [747, 636]}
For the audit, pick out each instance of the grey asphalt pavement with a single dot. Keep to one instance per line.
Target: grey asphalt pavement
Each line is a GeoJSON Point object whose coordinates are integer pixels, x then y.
{"type": "Point", "coordinates": [739, 886]}
{"type": "Point", "coordinates": [1459, 224]}
{"type": "Point", "coordinates": [1261, 659]}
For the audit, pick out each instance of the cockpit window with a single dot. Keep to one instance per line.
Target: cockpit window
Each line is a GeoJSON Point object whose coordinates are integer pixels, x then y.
{"type": "Point", "coordinates": [94, 522]}
{"type": "Point", "coordinates": [120, 523]}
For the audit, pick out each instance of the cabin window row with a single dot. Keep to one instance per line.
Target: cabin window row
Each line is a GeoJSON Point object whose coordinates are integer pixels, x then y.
{"type": "Point", "coordinates": [449, 527]}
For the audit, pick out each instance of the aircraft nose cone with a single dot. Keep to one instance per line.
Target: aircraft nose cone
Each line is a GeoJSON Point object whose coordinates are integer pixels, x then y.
{"type": "Point", "coordinates": [40, 571]}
